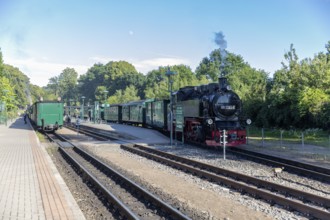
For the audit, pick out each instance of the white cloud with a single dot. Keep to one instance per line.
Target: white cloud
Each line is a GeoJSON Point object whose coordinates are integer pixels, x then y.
{"type": "Point", "coordinates": [146, 65]}
{"type": "Point", "coordinates": [40, 71]}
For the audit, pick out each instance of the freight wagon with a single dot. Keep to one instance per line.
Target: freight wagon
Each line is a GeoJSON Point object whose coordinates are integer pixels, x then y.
{"type": "Point", "coordinates": [47, 115]}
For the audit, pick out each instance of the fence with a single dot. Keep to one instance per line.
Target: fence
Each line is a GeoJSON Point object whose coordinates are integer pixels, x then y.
{"type": "Point", "coordinates": [306, 145]}
{"type": "Point", "coordinates": [281, 138]}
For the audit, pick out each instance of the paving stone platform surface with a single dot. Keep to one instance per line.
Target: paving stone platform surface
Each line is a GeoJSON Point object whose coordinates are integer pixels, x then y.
{"type": "Point", "coordinates": [30, 185]}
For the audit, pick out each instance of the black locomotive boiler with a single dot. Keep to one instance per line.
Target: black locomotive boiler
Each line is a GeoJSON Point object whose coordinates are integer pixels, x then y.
{"type": "Point", "coordinates": [208, 111]}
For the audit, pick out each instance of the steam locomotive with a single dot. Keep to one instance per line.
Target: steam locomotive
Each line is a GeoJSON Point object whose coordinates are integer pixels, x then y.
{"type": "Point", "coordinates": [206, 112]}
{"type": "Point", "coordinates": [203, 112]}
{"type": "Point", "coordinates": [209, 111]}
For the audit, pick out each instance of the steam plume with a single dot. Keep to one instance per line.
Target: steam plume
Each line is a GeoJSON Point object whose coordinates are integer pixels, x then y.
{"type": "Point", "coordinates": [220, 40]}
{"type": "Point", "coordinates": [222, 43]}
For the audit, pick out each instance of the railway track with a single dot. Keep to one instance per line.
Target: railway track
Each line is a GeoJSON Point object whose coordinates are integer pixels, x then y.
{"type": "Point", "coordinates": [289, 198]}
{"type": "Point", "coordinates": [99, 134]}
{"type": "Point", "coordinates": [304, 169]}
{"type": "Point", "coordinates": [127, 199]}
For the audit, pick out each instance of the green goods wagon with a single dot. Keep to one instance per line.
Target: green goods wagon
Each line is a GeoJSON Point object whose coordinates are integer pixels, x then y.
{"type": "Point", "coordinates": [47, 115]}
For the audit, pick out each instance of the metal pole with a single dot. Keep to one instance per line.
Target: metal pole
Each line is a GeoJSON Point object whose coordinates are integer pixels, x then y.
{"type": "Point", "coordinates": [171, 115]}
{"type": "Point", "coordinates": [302, 139]}
{"type": "Point", "coordinates": [247, 136]}
{"type": "Point", "coordinates": [281, 137]}
{"type": "Point", "coordinates": [224, 144]}
{"type": "Point", "coordinates": [82, 117]}
{"type": "Point", "coordinates": [262, 134]}
{"type": "Point", "coordinates": [169, 74]}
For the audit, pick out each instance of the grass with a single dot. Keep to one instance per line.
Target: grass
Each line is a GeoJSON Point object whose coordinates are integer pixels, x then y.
{"type": "Point", "coordinates": [41, 136]}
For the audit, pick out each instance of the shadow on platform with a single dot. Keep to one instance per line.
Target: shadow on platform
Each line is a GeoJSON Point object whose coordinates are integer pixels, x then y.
{"type": "Point", "coordinates": [19, 124]}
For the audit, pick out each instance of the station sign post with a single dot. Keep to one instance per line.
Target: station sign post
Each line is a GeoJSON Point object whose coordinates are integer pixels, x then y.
{"type": "Point", "coordinates": [179, 125]}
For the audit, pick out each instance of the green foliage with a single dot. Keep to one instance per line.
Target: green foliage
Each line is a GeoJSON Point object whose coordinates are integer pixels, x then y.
{"type": "Point", "coordinates": [87, 83]}
{"type": "Point", "coordinates": [37, 93]}
{"type": "Point", "coordinates": [101, 93]}
{"type": "Point", "coordinates": [129, 94]}
{"type": "Point", "coordinates": [113, 76]}
{"type": "Point", "coordinates": [67, 83]}
{"type": "Point", "coordinates": [300, 92]}
{"type": "Point", "coordinates": [157, 82]}
{"type": "Point", "coordinates": [7, 94]}
{"type": "Point", "coordinates": [53, 85]}
{"type": "Point", "coordinates": [20, 84]}
{"type": "Point", "coordinates": [64, 86]}
{"type": "Point", "coordinates": [1, 63]}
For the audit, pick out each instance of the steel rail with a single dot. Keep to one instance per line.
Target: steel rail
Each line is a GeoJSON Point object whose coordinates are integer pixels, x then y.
{"type": "Point", "coordinates": [123, 209]}
{"type": "Point", "coordinates": [309, 170]}
{"type": "Point", "coordinates": [242, 187]}
{"type": "Point", "coordinates": [146, 194]}
{"type": "Point", "coordinates": [171, 212]}
{"type": "Point", "coordinates": [304, 196]}
{"type": "Point", "coordinates": [316, 172]}
{"type": "Point", "coordinates": [98, 135]}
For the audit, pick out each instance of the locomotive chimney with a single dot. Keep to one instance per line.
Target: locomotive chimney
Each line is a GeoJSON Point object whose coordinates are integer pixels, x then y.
{"type": "Point", "coordinates": [223, 83]}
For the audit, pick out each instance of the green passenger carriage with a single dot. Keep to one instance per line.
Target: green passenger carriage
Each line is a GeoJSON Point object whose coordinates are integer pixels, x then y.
{"type": "Point", "coordinates": [157, 114]}
{"type": "Point", "coordinates": [113, 113]}
{"type": "Point", "coordinates": [134, 113]}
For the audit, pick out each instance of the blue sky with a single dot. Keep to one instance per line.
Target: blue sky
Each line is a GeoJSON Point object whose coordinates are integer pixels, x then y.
{"type": "Point", "coordinates": [43, 37]}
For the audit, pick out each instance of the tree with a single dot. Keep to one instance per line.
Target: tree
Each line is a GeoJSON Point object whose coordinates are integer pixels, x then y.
{"type": "Point", "coordinates": [251, 85]}
{"type": "Point", "coordinates": [113, 76]}
{"type": "Point", "coordinates": [120, 74]}
{"type": "Point", "coordinates": [1, 63]}
{"type": "Point", "coordinates": [327, 46]}
{"type": "Point", "coordinates": [7, 94]}
{"type": "Point", "coordinates": [20, 83]}
{"type": "Point", "coordinates": [37, 93]}
{"type": "Point", "coordinates": [311, 103]}
{"type": "Point", "coordinates": [67, 83]}
{"type": "Point", "coordinates": [100, 94]}
{"type": "Point", "coordinates": [53, 85]}
{"type": "Point", "coordinates": [129, 94]}
{"type": "Point", "coordinates": [116, 98]}
{"type": "Point", "coordinates": [300, 92]}
{"type": "Point", "coordinates": [87, 83]}
{"type": "Point", "coordinates": [210, 67]}
{"type": "Point", "coordinates": [157, 82]}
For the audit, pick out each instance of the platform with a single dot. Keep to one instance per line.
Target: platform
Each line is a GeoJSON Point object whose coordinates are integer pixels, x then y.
{"type": "Point", "coordinates": [30, 185]}
{"type": "Point", "coordinates": [136, 135]}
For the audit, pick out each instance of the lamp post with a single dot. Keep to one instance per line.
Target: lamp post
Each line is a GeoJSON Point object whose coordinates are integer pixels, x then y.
{"type": "Point", "coordinates": [82, 107]}
{"type": "Point", "coordinates": [105, 96]}
{"type": "Point", "coordinates": [70, 103]}
{"type": "Point", "coordinates": [169, 74]}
